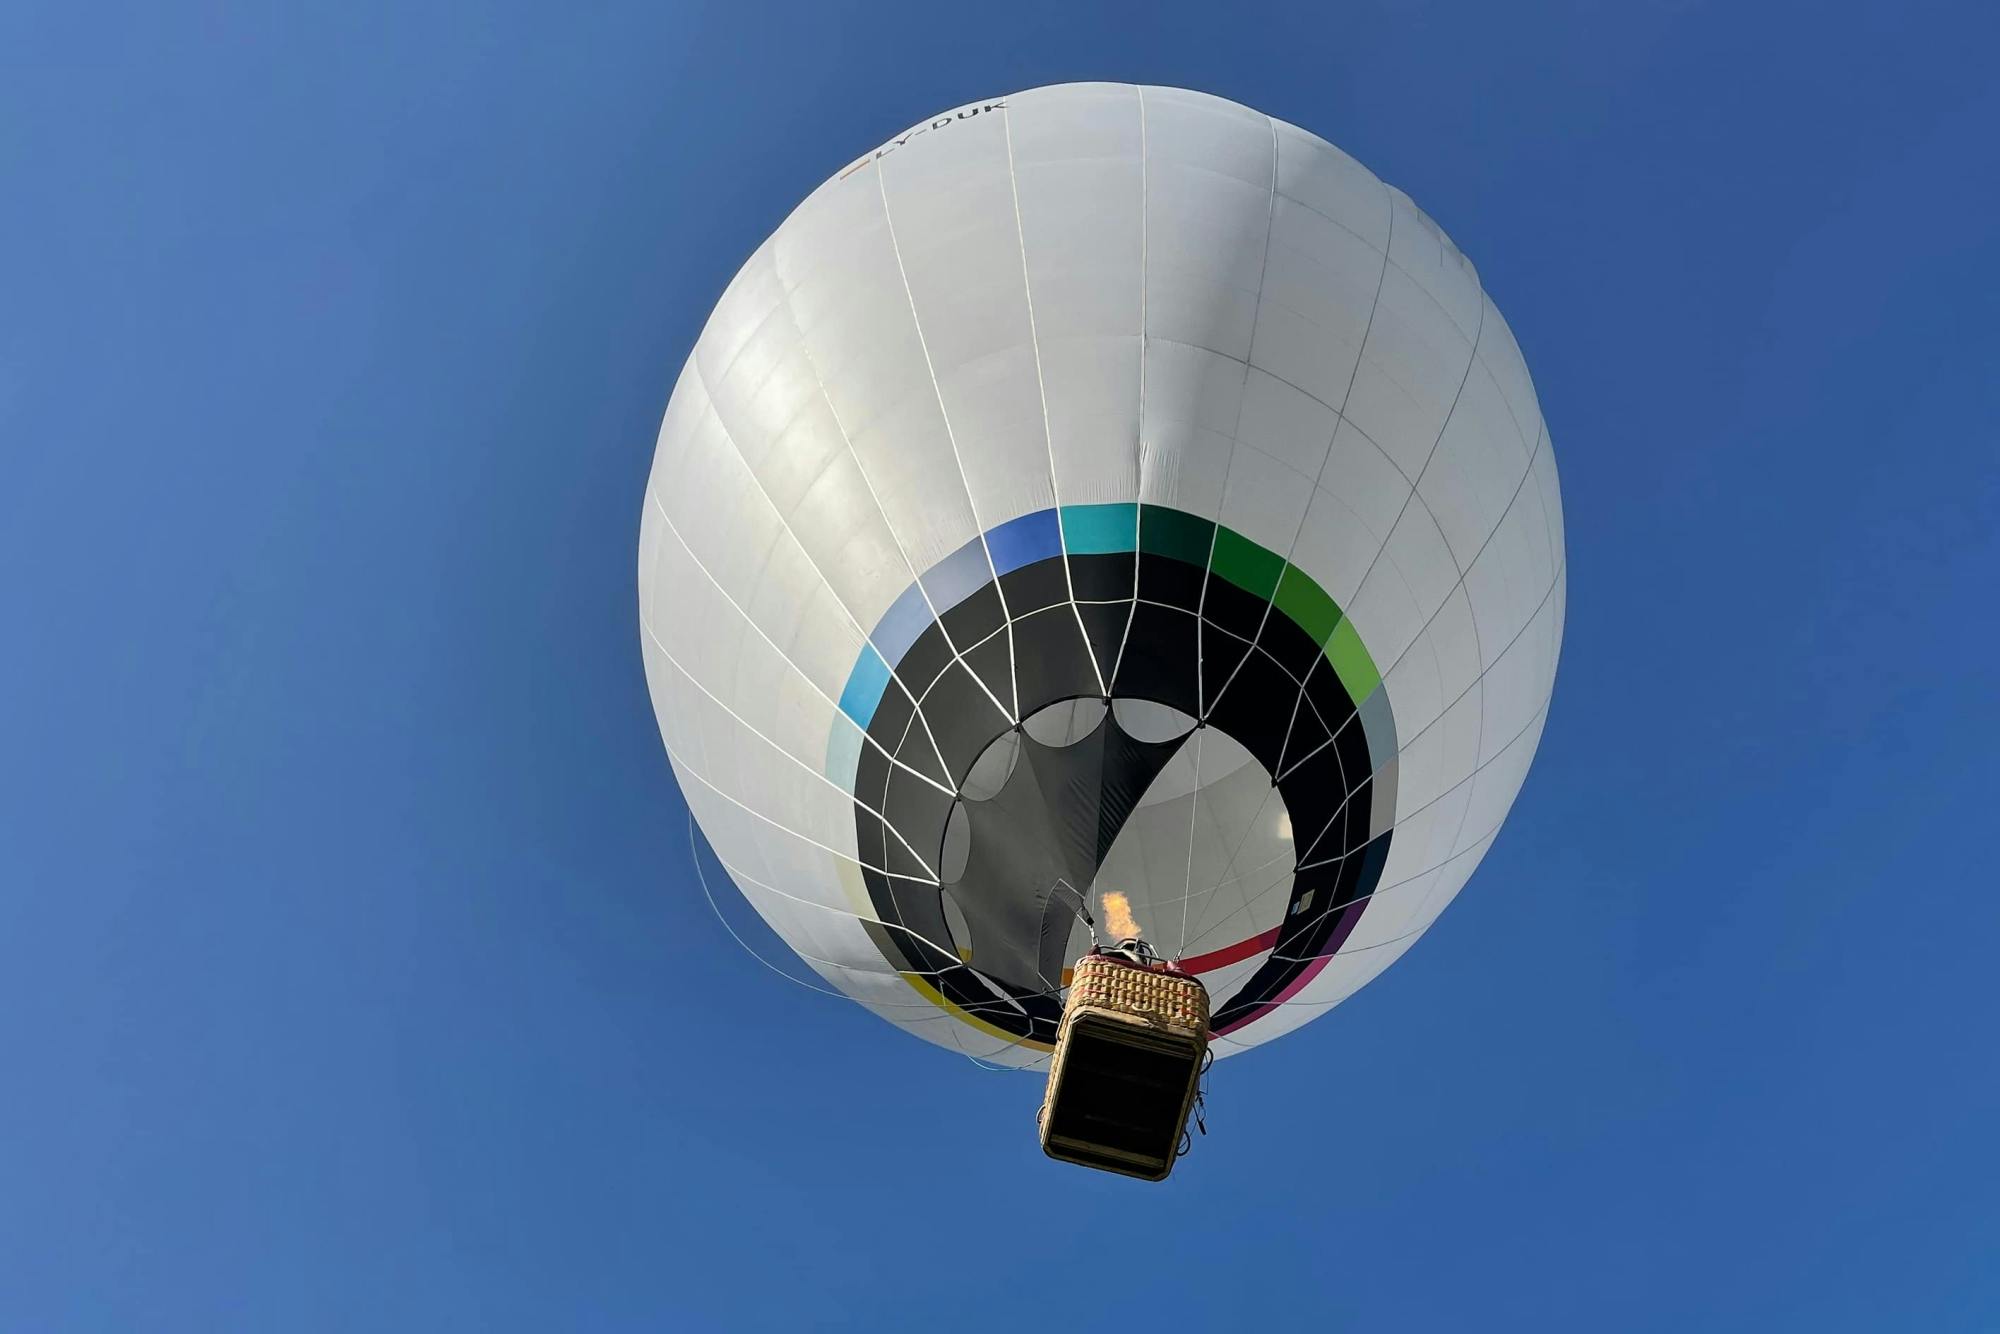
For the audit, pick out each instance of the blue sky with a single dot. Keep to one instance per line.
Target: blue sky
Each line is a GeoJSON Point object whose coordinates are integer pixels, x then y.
{"type": "Point", "coordinates": [352, 974]}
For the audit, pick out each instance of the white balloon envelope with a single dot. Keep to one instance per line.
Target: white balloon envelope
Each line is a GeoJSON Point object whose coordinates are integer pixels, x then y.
{"type": "Point", "coordinates": [1101, 489]}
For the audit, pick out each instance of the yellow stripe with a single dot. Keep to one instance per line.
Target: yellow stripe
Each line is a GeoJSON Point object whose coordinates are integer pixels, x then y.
{"type": "Point", "coordinates": [937, 998]}
{"type": "Point", "coordinates": [849, 876]}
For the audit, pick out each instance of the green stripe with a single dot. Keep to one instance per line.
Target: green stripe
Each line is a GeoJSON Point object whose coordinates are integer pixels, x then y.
{"type": "Point", "coordinates": [1300, 598]}
{"type": "Point", "coordinates": [1245, 564]}
{"type": "Point", "coordinates": [1165, 532]}
{"type": "Point", "coordinates": [1100, 530]}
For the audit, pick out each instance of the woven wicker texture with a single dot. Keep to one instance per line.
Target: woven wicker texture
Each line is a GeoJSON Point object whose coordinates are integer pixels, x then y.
{"type": "Point", "coordinates": [1170, 1000]}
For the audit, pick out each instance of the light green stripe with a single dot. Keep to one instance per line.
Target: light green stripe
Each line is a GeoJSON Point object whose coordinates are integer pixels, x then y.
{"type": "Point", "coordinates": [1351, 662]}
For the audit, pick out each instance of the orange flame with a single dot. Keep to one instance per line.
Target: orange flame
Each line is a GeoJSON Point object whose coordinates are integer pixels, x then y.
{"type": "Point", "coordinates": [1118, 916]}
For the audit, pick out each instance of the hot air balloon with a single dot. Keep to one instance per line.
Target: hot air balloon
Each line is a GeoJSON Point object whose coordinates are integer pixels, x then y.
{"type": "Point", "coordinates": [1101, 490]}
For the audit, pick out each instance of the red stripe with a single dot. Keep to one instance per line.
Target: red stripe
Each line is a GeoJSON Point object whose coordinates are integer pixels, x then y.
{"type": "Point", "coordinates": [1228, 954]}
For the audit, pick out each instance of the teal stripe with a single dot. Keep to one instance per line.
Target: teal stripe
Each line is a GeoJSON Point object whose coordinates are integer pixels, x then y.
{"type": "Point", "coordinates": [1100, 530]}
{"type": "Point", "coordinates": [1105, 530]}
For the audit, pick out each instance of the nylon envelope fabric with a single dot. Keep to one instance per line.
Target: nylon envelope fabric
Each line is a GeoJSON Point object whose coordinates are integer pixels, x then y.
{"type": "Point", "coordinates": [1101, 488]}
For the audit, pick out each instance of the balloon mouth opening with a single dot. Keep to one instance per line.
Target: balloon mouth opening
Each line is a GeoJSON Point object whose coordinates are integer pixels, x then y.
{"type": "Point", "coordinates": [1185, 798]}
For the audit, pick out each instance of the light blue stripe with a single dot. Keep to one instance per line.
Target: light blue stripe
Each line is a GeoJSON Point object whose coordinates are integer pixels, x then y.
{"type": "Point", "coordinates": [958, 576]}
{"type": "Point", "coordinates": [843, 753]}
{"type": "Point", "coordinates": [1086, 530]}
{"type": "Point", "coordinates": [864, 686]}
{"type": "Point", "coordinates": [908, 616]}
{"type": "Point", "coordinates": [1100, 530]}
{"type": "Point", "coordinates": [1024, 541]}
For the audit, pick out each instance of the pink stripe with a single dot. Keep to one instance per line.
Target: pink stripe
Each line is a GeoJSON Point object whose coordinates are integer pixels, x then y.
{"type": "Point", "coordinates": [1348, 917]}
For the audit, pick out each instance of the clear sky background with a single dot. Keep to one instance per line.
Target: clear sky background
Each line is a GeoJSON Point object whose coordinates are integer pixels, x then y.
{"type": "Point", "coordinates": [352, 972]}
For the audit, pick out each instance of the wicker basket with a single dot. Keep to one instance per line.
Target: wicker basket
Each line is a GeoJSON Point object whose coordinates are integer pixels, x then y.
{"type": "Point", "coordinates": [1157, 994]}
{"type": "Point", "coordinates": [1127, 1064]}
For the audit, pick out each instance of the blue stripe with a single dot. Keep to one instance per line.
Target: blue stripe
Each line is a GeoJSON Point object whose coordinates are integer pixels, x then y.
{"type": "Point", "coordinates": [1024, 541]}
{"type": "Point", "coordinates": [864, 687]}
{"type": "Point", "coordinates": [1087, 529]}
